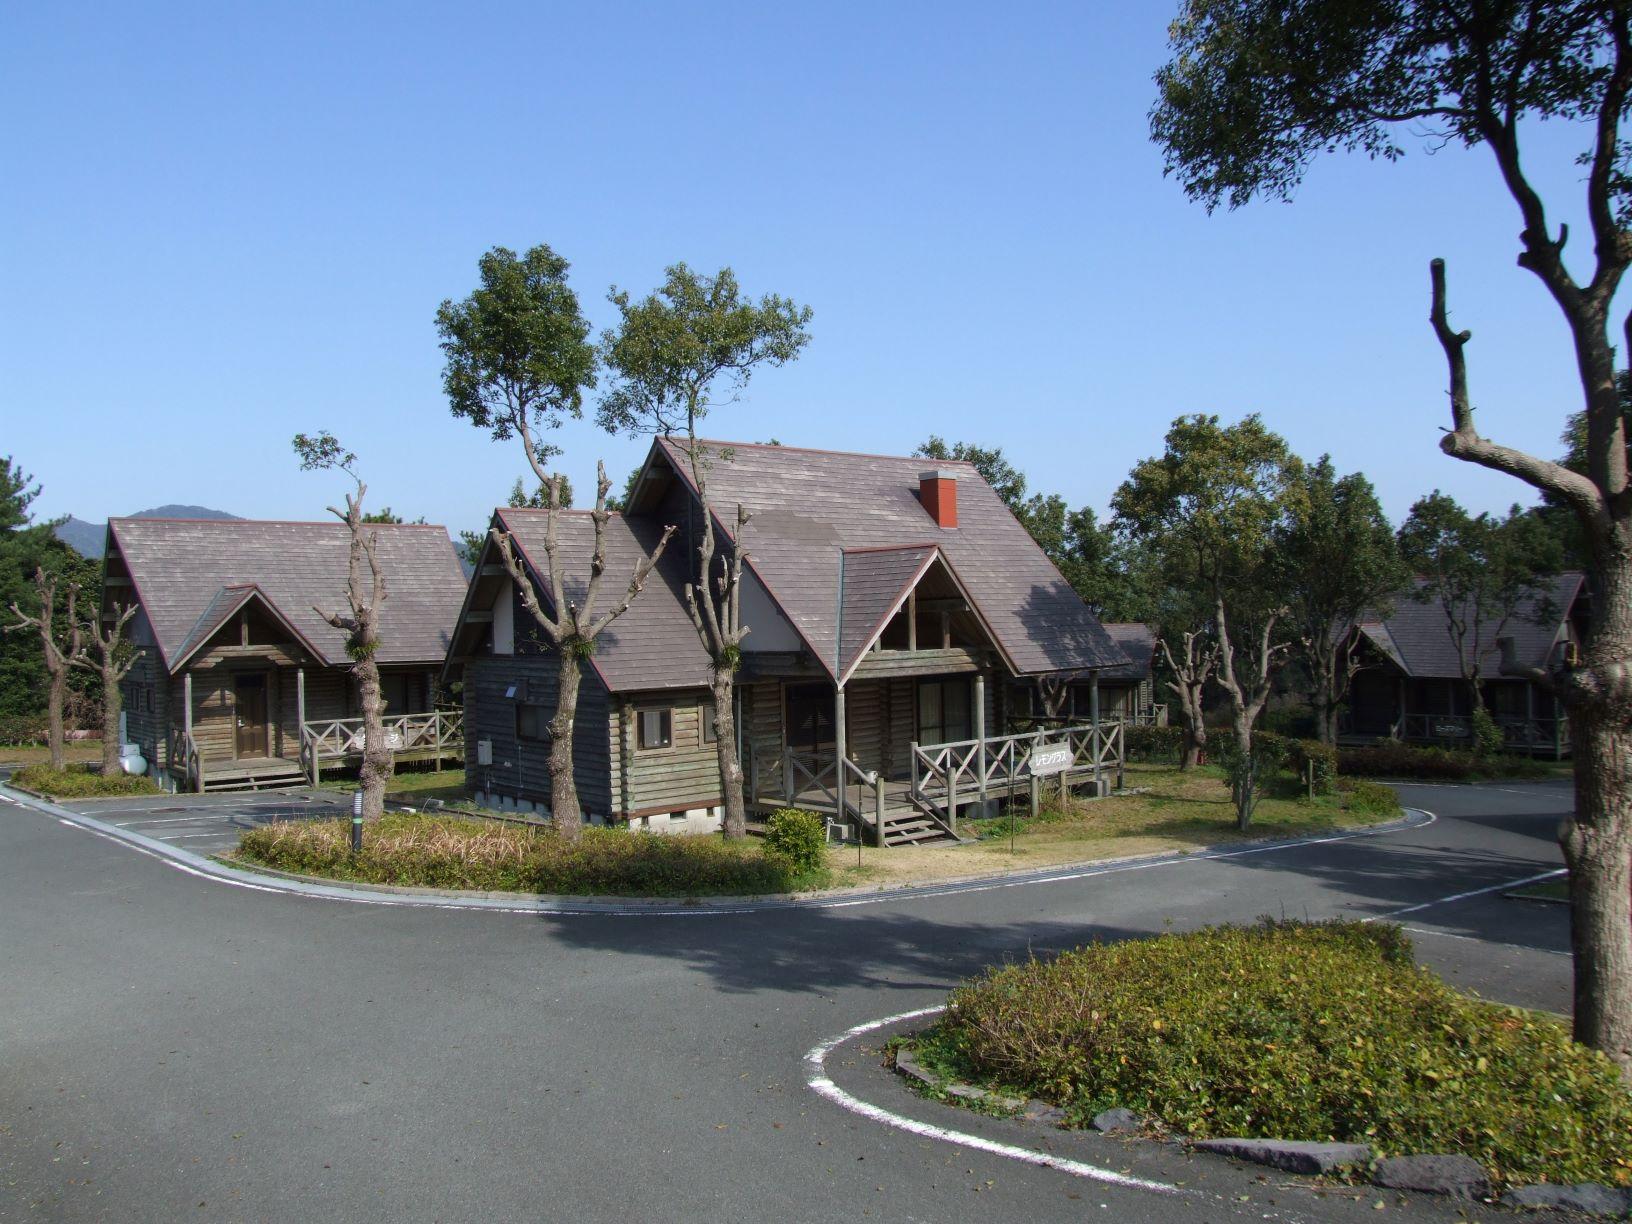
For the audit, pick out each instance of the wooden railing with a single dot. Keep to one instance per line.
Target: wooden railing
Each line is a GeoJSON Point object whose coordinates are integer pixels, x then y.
{"type": "Point", "coordinates": [1528, 734]}
{"type": "Point", "coordinates": [185, 757]}
{"type": "Point", "coordinates": [869, 804]}
{"type": "Point", "coordinates": [437, 732]}
{"type": "Point", "coordinates": [800, 775]}
{"type": "Point", "coordinates": [945, 775]}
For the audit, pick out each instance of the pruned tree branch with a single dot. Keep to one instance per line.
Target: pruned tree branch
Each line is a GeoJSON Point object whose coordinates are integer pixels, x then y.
{"type": "Point", "coordinates": [1463, 440]}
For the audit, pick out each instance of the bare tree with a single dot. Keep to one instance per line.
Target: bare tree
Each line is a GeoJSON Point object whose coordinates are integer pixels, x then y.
{"type": "Point", "coordinates": [571, 627]}
{"type": "Point", "coordinates": [113, 661]}
{"type": "Point", "coordinates": [59, 648]}
{"type": "Point", "coordinates": [365, 595]}
{"type": "Point", "coordinates": [1190, 670]}
{"type": "Point", "coordinates": [1248, 689]}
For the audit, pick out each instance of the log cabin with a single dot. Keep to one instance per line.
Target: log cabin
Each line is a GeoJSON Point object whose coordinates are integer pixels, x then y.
{"type": "Point", "coordinates": [1411, 685]}
{"type": "Point", "coordinates": [241, 683]}
{"type": "Point", "coordinates": [900, 621]}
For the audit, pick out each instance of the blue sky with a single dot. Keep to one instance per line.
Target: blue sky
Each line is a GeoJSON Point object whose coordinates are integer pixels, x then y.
{"type": "Point", "coordinates": [221, 225]}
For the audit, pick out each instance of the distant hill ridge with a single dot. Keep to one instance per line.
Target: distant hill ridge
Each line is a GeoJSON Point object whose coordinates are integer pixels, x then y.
{"type": "Point", "coordinates": [87, 538]}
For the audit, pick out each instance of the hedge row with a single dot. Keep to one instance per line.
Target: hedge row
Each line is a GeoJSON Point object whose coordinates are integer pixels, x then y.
{"type": "Point", "coordinates": [80, 782]}
{"type": "Point", "coordinates": [450, 852]}
{"type": "Point", "coordinates": [1392, 759]}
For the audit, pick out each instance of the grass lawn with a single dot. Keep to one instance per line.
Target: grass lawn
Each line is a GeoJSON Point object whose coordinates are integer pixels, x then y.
{"type": "Point", "coordinates": [1177, 811]}
{"type": "Point", "coordinates": [413, 787]}
{"type": "Point", "coordinates": [78, 752]}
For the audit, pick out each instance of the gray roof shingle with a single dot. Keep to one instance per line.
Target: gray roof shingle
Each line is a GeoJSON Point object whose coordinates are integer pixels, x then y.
{"type": "Point", "coordinates": [808, 505]}
{"type": "Point", "coordinates": [1138, 642]}
{"type": "Point", "coordinates": [1416, 639]}
{"type": "Point", "coordinates": [654, 644]}
{"type": "Point", "coordinates": [187, 571]}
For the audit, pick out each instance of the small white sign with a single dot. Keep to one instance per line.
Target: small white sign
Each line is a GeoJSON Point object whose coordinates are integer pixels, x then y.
{"type": "Point", "coordinates": [393, 740]}
{"type": "Point", "coordinates": [1045, 761]}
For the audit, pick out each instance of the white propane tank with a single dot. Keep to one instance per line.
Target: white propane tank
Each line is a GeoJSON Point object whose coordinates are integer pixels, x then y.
{"type": "Point", "coordinates": [131, 759]}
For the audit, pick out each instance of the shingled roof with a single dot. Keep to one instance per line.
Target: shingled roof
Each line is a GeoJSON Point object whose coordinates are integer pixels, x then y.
{"type": "Point", "coordinates": [192, 575]}
{"type": "Point", "coordinates": [808, 505]}
{"type": "Point", "coordinates": [654, 644]}
{"type": "Point", "coordinates": [1415, 638]}
{"type": "Point", "coordinates": [1138, 642]}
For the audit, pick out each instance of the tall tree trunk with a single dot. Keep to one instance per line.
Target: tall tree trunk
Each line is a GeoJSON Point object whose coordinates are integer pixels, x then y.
{"type": "Point", "coordinates": [58, 654]}
{"type": "Point", "coordinates": [565, 811]}
{"type": "Point", "coordinates": [377, 760]}
{"type": "Point", "coordinates": [1244, 785]}
{"type": "Point", "coordinates": [110, 721]}
{"type": "Point", "coordinates": [735, 813]}
{"type": "Point", "coordinates": [56, 698]}
{"type": "Point", "coordinates": [1597, 843]}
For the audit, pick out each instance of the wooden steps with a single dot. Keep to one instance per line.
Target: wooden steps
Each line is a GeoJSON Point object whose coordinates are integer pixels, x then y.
{"type": "Point", "coordinates": [268, 773]}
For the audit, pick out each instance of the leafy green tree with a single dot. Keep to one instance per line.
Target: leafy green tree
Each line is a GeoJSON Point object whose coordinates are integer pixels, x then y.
{"type": "Point", "coordinates": [672, 354]}
{"type": "Point", "coordinates": [17, 493]}
{"type": "Point", "coordinates": [388, 517]}
{"type": "Point", "coordinates": [1256, 89]}
{"type": "Point", "coordinates": [1338, 558]}
{"type": "Point", "coordinates": [365, 596]}
{"type": "Point", "coordinates": [1211, 507]}
{"type": "Point", "coordinates": [518, 360]}
{"type": "Point", "coordinates": [1478, 569]}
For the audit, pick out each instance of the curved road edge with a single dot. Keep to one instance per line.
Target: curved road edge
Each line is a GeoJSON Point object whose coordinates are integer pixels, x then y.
{"type": "Point", "coordinates": [362, 894]}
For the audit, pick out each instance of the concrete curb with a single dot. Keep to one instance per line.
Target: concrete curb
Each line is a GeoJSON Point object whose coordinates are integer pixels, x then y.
{"type": "Point", "coordinates": [264, 880]}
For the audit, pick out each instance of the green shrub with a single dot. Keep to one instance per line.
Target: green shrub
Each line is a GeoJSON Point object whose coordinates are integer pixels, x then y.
{"type": "Point", "coordinates": [1250, 773]}
{"type": "Point", "coordinates": [1153, 743]}
{"type": "Point", "coordinates": [79, 782]}
{"type": "Point", "coordinates": [1488, 739]}
{"type": "Point", "coordinates": [1362, 795]}
{"type": "Point", "coordinates": [1294, 1031]}
{"type": "Point", "coordinates": [22, 730]}
{"type": "Point", "coordinates": [454, 852]}
{"type": "Point", "coordinates": [1392, 759]}
{"type": "Point", "coordinates": [1307, 754]}
{"type": "Point", "coordinates": [798, 838]}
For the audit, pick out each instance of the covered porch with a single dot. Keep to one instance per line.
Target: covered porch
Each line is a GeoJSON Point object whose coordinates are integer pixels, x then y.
{"type": "Point", "coordinates": [901, 759]}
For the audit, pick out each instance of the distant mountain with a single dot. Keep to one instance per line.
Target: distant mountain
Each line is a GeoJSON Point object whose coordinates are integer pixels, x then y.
{"type": "Point", "coordinates": [87, 538]}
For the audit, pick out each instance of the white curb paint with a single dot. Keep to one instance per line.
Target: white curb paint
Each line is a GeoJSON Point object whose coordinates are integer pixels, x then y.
{"type": "Point", "coordinates": [825, 1087]}
{"type": "Point", "coordinates": [209, 869]}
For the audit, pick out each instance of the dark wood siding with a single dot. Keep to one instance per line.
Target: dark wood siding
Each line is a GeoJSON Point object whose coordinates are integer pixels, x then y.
{"type": "Point", "coordinates": [684, 775]}
{"type": "Point", "coordinates": [520, 769]}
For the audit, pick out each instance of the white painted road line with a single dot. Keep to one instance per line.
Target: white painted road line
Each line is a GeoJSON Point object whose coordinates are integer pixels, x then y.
{"type": "Point", "coordinates": [1472, 892]}
{"type": "Point", "coordinates": [1488, 943]}
{"type": "Point", "coordinates": [823, 1086]}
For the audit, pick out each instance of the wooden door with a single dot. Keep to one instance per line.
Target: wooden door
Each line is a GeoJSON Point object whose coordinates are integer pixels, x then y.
{"type": "Point", "coordinates": [249, 699]}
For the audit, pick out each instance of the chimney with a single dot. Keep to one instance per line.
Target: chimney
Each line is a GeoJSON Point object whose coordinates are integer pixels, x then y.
{"type": "Point", "coordinates": [938, 490]}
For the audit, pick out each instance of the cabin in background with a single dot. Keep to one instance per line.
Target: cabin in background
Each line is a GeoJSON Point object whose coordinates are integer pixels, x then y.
{"type": "Point", "coordinates": [241, 684]}
{"type": "Point", "coordinates": [893, 610]}
{"type": "Point", "coordinates": [1411, 687]}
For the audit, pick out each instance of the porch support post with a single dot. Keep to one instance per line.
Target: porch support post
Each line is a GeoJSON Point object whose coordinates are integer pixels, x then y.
{"type": "Point", "coordinates": [187, 703]}
{"type": "Point", "coordinates": [839, 747]}
{"type": "Point", "coordinates": [300, 723]}
{"type": "Point", "coordinates": [980, 735]}
{"type": "Point", "coordinates": [1093, 716]}
{"type": "Point", "coordinates": [912, 619]}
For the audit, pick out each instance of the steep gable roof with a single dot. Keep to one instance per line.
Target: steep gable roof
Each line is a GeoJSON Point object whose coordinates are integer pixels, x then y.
{"type": "Point", "coordinates": [807, 506]}
{"type": "Point", "coordinates": [192, 575]}
{"type": "Point", "coordinates": [654, 644]}
{"type": "Point", "coordinates": [1415, 637]}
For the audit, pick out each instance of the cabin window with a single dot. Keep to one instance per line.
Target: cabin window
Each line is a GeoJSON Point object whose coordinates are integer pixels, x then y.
{"type": "Point", "coordinates": [943, 711]}
{"type": "Point", "coordinates": [705, 712]}
{"type": "Point", "coordinates": [532, 722]}
{"type": "Point", "coordinates": [656, 728]}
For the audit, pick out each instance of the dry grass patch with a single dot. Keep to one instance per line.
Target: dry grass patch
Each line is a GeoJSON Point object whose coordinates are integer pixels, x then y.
{"type": "Point", "coordinates": [1177, 811]}
{"type": "Point", "coordinates": [457, 852]}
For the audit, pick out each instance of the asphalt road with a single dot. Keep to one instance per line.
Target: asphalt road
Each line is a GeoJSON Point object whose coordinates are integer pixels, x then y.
{"type": "Point", "coordinates": [178, 1048]}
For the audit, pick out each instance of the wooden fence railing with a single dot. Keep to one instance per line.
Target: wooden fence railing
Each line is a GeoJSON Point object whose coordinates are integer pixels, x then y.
{"type": "Point", "coordinates": [438, 733]}
{"type": "Point", "coordinates": [185, 758]}
{"type": "Point", "coordinates": [945, 775]}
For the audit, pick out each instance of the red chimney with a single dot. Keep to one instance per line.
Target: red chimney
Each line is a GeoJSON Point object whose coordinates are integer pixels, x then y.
{"type": "Point", "coordinates": [938, 490]}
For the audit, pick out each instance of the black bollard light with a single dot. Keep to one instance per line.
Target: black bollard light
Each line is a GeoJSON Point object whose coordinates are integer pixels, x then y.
{"type": "Point", "coordinates": [357, 822]}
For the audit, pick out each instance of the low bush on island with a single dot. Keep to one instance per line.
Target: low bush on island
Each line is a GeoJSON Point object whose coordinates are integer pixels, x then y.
{"type": "Point", "coordinates": [469, 853]}
{"type": "Point", "coordinates": [81, 782]}
{"type": "Point", "coordinates": [1286, 1030]}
